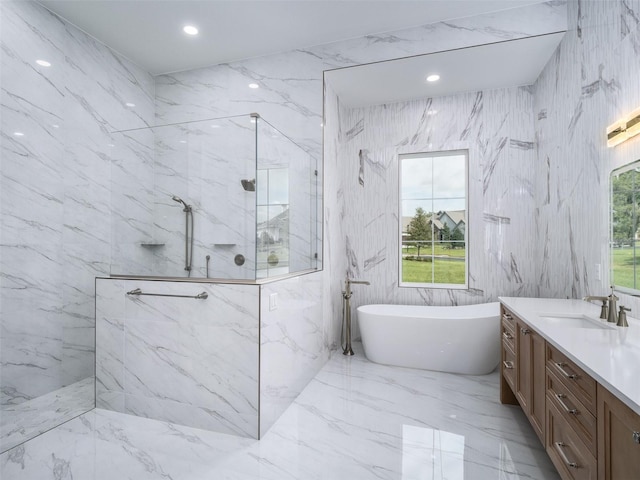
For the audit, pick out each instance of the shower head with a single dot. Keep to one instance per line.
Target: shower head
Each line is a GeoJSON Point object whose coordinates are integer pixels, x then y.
{"type": "Point", "coordinates": [175, 198]}
{"type": "Point", "coordinates": [249, 185]}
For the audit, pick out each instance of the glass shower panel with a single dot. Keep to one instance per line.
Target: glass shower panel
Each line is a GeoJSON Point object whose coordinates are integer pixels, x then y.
{"type": "Point", "coordinates": [186, 207]}
{"type": "Point", "coordinates": [287, 195]}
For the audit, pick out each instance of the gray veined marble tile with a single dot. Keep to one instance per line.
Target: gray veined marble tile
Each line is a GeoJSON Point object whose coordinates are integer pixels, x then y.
{"type": "Point", "coordinates": [355, 419]}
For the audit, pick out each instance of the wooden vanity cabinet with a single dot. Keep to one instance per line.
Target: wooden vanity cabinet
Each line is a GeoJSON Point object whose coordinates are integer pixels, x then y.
{"type": "Point", "coordinates": [588, 432]}
{"type": "Point", "coordinates": [618, 439]}
{"type": "Point", "coordinates": [571, 422]}
{"type": "Point", "coordinates": [508, 360]}
{"type": "Point", "coordinates": [530, 375]}
{"type": "Point", "coordinates": [525, 375]}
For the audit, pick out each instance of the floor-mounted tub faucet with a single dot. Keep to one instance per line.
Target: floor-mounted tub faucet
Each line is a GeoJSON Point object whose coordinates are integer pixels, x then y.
{"type": "Point", "coordinates": [345, 334]}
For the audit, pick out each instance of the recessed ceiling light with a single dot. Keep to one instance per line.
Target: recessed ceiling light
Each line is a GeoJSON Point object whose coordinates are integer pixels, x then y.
{"type": "Point", "coordinates": [215, 126]}
{"type": "Point", "coordinates": [55, 125]}
{"type": "Point", "coordinates": [254, 85]}
{"type": "Point", "coordinates": [18, 134]}
{"type": "Point", "coordinates": [432, 112]}
{"type": "Point", "coordinates": [183, 141]}
{"type": "Point", "coordinates": [43, 63]}
{"type": "Point", "coordinates": [190, 30]}
{"type": "Point", "coordinates": [130, 105]}
{"type": "Point", "coordinates": [433, 77]}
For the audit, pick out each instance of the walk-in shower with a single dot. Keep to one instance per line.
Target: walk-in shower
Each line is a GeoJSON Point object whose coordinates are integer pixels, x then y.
{"type": "Point", "coordinates": [247, 191]}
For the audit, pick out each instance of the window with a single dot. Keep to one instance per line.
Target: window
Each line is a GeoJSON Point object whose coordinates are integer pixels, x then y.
{"type": "Point", "coordinates": [272, 232]}
{"type": "Point", "coordinates": [433, 213]}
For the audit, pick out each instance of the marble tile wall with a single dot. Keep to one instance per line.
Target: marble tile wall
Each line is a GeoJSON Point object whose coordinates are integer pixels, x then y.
{"type": "Point", "coordinates": [292, 348]}
{"type": "Point", "coordinates": [497, 129]}
{"type": "Point", "coordinates": [55, 181]}
{"type": "Point", "coordinates": [591, 82]}
{"type": "Point", "coordinates": [186, 361]}
{"type": "Point", "coordinates": [335, 261]}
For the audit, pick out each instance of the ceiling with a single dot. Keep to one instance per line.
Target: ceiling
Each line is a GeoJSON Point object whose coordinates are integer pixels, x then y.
{"type": "Point", "coordinates": [149, 32]}
{"type": "Point", "coordinates": [487, 67]}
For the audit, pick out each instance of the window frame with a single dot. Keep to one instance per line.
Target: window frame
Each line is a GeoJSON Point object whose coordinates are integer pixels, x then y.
{"type": "Point", "coordinates": [430, 154]}
{"type": "Point", "coordinates": [635, 165]}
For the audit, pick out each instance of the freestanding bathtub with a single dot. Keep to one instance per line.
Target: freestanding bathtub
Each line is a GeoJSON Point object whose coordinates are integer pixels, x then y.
{"type": "Point", "coordinates": [463, 339]}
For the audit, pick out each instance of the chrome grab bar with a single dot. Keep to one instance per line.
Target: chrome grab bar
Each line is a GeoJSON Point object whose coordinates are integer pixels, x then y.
{"type": "Point", "coordinates": [138, 292]}
{"type": "Point", "coordinates": [561, 397]}
{"type": "Point", "coordinates": [559, 446]}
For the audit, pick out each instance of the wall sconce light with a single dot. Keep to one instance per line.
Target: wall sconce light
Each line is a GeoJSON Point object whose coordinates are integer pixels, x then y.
{"type": "Point", "coordinates": [624, 129]}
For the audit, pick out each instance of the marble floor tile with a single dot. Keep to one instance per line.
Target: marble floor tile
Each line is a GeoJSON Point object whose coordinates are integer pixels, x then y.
{"type": "Point", "coordinates": [26, 420]}
{"type": "Point", "coordinates": [355, 420]}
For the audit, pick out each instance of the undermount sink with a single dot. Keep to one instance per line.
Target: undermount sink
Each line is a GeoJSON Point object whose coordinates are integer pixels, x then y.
{"type": "Point", "coordinates": [576, 321]}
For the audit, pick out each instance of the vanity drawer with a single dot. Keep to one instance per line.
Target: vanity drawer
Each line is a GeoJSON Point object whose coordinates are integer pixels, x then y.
{"type": "Point", "coordinates": [508, 366]}
{"type": "Point", "coordinates": [572, 411]}
{"type": "Point", "coordinates": [581, 385]}
{"type": "Point", "coordinates": [571, 457]}
{"type": "Point", "coordinates": [508, 319]}
{"type": "Point", "coordinates": [508, 335]}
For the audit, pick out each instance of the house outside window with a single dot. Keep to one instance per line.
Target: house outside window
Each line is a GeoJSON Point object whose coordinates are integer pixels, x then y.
{"type": "Point", "coordinates": [433, 212]}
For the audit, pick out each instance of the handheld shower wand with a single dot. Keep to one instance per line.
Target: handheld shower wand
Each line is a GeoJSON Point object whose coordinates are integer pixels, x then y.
{"type": "Point", "coordinates": [188, 233]}
{"type": "Point", "coordinates": [187, 208]}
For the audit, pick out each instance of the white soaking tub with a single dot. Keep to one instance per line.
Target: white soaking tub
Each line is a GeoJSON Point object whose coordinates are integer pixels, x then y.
{"type": "Point", "coordinates": [464, 339]}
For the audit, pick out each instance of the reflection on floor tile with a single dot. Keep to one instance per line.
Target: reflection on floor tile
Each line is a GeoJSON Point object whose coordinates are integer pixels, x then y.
{"type": "Point", "coordinates": [355, 420]}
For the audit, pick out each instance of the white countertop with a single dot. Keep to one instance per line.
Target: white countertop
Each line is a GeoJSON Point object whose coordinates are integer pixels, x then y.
{"type": "Point", "coordinates": [610, 356]}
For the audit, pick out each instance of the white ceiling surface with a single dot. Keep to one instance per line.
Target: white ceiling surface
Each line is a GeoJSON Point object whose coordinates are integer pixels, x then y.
{"type": "Point", "coordinates": [149, 32]}
{"type": "Point", "coordinates": [487, 67]}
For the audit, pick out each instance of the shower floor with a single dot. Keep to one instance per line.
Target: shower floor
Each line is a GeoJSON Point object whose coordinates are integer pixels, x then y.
{"type": "Point", "coordinates": [31, 418]}
{"type": "Point", "coordinates": [355, 420]}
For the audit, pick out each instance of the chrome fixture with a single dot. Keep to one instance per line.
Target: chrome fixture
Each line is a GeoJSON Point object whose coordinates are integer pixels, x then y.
{"type": "Point", "coordinates": [345, 333]}
{"type": "Point", "coordinates": [138, 292]}
{"type": "Point", "coordinates": [188, 233]}
{"type": "Point", "coordinates": [622, 317]}
{"type": "Point", "coordinates": [608, 309]}
{"type": "Point", "coordinates": [603, 309]}
{"type": "Point", "coordinates": [249, 185]}
{"type": "Point", "coordinates": [613, 315]}
{"type": "Point", "coordinates": [208, 257]}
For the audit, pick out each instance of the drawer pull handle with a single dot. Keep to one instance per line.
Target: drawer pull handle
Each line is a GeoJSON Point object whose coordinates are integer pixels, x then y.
{"type": "Point", "coordinates": [561, 366]}
{"type": "Point", "coordinates": [525, 331]}
{"type": "Point", "coordinates": [636, 437]}
{"type": "Point", "coordinates": [561, 397]}
{"type": "Point", "coordinates": [506, 316]}
{"type": "Point", "coordinates": [559, 447]}
{"type": "Point", "coordinates": [508, 365]}
{"type": "Point", "coordinates": [507, 335]}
